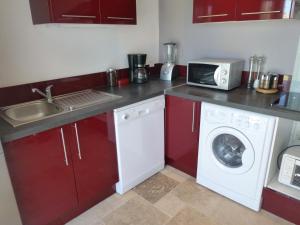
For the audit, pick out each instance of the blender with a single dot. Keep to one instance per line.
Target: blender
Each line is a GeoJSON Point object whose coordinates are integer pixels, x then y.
{"type": "Point", "coordinates": [169, 70]}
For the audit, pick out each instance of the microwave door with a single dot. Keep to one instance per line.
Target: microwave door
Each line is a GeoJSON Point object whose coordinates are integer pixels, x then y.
{"type": "Point", "coordinates": [203, 74]}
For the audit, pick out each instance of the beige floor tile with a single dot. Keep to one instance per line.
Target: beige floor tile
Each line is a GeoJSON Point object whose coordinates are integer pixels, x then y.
{"type": "Point", "coordinates": [189, 216]}
{"type": "Point", "coordinates": [200, 198]}
{"type": "Point", "coordinates": [156, 187]}
{"type": "Point", "coordinates": [175, 174]}
{"type": "Point", "coordinates": [170, 205]}
{"type": "Point", "coordinates": [136, 211]}
{"type": "Point", "coordinates": [90, 217]}
{"type": "Point", "coordinates": [173, 198]}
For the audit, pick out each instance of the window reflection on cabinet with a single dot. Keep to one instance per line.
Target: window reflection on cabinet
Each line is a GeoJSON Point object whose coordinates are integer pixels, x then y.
{"type": "Point", "coordinates": [263, 9]}
{"type": "Point", "coordinates": [213, 10]}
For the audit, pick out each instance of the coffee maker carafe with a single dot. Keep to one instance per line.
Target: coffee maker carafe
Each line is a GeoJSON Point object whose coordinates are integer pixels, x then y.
{"type": "Point", "coordinates": [137, 68]}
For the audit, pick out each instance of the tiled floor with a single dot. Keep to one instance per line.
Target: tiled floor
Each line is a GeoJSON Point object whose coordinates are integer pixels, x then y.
{"type": "Point", "coordinates": [172, 198]}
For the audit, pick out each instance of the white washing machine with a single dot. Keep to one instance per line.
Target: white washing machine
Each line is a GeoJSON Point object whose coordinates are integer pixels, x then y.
{"type": "Point", "coordinates": [234, 148]}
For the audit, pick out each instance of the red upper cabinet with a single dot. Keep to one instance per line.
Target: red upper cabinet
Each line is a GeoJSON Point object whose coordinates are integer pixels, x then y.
{"type": "Point", "coordinates": [83, 11]}
{"type": "Point", "coordinates": [214, 10]}
{"type": "Point", "coordinates": [94, 157]}
{"type": "Point", "coordinates": [264, 9]}
{"type": "Point", "coordinates": [182, 134]}
{"type": "Point", "coordinates": [75, 11]}
{"type": "Point", "coordinates": [118, 11]}
{"type": "Point", "coordinates": [41, 171]}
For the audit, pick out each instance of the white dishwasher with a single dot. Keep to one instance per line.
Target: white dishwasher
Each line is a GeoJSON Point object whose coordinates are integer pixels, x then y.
{"type": "Point", "coordinates": [140, 141]}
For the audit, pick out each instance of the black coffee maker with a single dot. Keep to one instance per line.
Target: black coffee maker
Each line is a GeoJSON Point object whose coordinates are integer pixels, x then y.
{"type": "Point", "coordinates": [137, 68]}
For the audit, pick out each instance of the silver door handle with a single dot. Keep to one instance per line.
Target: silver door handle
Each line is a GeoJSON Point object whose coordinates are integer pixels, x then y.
{"type": "Point", "coordinates": [260, 13]}
{"type": "Point", "coordinates": [78, 16]}
{"type": "Point", "coordinates": [193, 120]}
{"type": "Point", "coordinates": [78, 143]}
{"type": "Point", "coordinates": [119, 18]}
{"type": "Point", "coordinates": [215, 15]}
{"type": "Point", "coordinates": [64, 146]}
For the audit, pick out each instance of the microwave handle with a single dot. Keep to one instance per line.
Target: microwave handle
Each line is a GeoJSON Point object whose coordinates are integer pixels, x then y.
{"type": "Point", "coordinates": [217, 76]}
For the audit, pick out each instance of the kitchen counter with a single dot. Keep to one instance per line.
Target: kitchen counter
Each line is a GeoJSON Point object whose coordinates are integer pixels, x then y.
{"type": "Point", "coordinates": [240, 98]}
{"type": "Point", "coordinates": [130, 94]}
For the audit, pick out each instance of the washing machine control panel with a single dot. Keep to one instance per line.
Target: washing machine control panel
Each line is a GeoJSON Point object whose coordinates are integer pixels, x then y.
{"type": "Point", "coordinates": [238, 120]}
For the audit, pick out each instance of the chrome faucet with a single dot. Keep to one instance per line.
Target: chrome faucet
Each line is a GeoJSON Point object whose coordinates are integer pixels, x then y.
{"type": "Point", "coordinates": [47, 93]}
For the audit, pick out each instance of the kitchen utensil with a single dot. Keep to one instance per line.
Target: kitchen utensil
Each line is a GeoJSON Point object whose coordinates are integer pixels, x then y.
{"type": "Point", "coordinates": [262, 81]}
{"type": "Point", "coordinates": [267, 82]}
{"type": "Point", "coordinates": [253, 60]}
{"type": "Point", "coordinates": [274, 81]}
{"type": "Point", "coordinates": [260, 61]}
{"type": "Point", "coordinates": [112, 77]}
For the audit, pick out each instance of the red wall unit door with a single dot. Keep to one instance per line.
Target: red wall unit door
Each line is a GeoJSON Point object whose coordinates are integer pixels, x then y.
{"type": "Point", "coordinates": [44, 184]}
{"type": "Point", "coordinates": [182, 134]}
{"type": "Point", "coordinates": [118, 11]}
{"type": "Point", "coordinates": [263, 9]}
{"type": "Point", "coordinates": [214, 10]}
{"type": "Point", "coordinates": [95, 158]}
{"type": "Point", "coordinates": [75, 11]}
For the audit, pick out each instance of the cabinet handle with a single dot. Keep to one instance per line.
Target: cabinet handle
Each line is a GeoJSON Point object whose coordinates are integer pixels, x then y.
{"type": "Point", "coordinates": [259, 13]}
{"type": "Point", "coordinates": [78, 143]}
{"type": "Point", "coordinates": [210, 16]}
{"type": "Point", "coordinates": [193, 120]}
{"type": "Point", "coordinates": [64, 146]}
{"type": "Point", "coordinates": [78, 16]}
{"type": "Point", "coordinates": [119, 18]}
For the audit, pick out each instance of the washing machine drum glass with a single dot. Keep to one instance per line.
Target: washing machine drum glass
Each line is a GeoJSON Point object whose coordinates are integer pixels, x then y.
{"type": "Point", "coordinates": [228, 150]}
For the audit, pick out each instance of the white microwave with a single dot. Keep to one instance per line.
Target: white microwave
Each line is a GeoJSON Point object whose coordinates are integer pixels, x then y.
{"type": "Point", "coordinates": [290, 168]}
{"type": "Point", "coordinates": [224, 74]}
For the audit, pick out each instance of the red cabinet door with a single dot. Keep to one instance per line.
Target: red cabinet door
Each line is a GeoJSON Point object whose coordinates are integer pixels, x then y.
{"type": "Point", "coordinates": [281, 205]}
{"type": "Point", "coordinates": [214, 10]}
{"type": "Point", "coordinates": [182, 134]}
{"type": "Point", "coordinates": [95, 158]}
{"type": "Point", "coordinates": [263, 9]}
{"type": "Point", "coordinates": [118, 11]}
{"type": "Point", "coordinates": [42, 176]}
{"type": "Point", "coordinates": [75, 11]}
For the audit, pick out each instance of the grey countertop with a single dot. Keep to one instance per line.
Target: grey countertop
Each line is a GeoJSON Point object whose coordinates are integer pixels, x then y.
{"type": "Point", "coordinates": [130, 94]}
{"type": "Point", "coordinates": [239, 98]}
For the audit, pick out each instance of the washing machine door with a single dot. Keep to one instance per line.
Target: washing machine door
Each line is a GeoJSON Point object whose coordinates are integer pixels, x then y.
{"type": "Point", "coordinates": [231, 150]}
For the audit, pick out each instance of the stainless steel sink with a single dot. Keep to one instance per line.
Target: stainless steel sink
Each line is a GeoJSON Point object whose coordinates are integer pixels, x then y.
{"type": "Point", "coordinates": [30, 112]}
{"type": "Point", "coordinates": [21, 114]}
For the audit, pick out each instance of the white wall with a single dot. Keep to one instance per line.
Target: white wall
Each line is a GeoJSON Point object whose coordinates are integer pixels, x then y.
{"type": "Point", "coordinates": [9, 214]}
{"type": "Point", "coordinates": [277, 40]}
{"type": "Point", "coordinates": [31, 53]}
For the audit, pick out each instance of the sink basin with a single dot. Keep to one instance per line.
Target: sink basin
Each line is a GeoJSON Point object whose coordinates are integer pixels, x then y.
{"type": "Point", "coordinates": [25, 113]}
{"type": "Point", "coordinates": [29, 112]}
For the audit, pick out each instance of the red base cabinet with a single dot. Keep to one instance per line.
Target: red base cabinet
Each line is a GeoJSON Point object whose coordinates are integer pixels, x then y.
{"type": "Point", "coordinates": [59, 173]}
{"type": "Point", "coordinates": [281, 205]}
{"type": "Point", "coordinates": [182, 134]}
